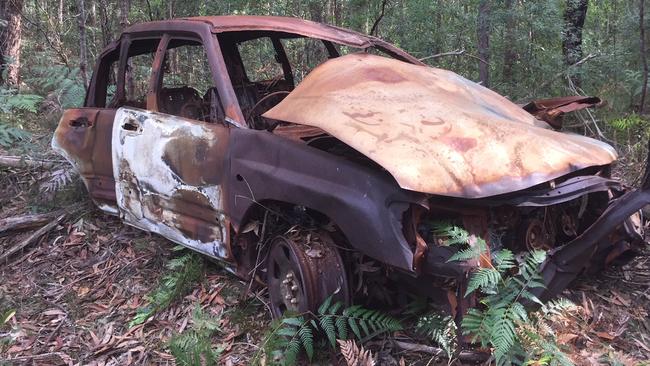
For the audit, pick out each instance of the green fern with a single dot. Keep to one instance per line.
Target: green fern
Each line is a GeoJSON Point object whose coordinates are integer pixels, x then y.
{"type": "Point", "coordinates": [295, 333]}
{"type": "Point", "coordinates": [194, 346]}
{"type": "Point", "coordinates": [14, 102]}
{"type": "Point", "coordinates": [10, 135]}
{"type": "Point", "coordinates": [60, 81]}
{"type": "Point", "coordinates": [501, 322]}
{"type": "Point", "coordinates": [440, 329]}
{"type": "Point", "coordinates": [183, 272]}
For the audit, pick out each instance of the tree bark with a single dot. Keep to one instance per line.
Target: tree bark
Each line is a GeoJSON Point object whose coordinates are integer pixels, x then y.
{"type": "Point", "coordinates": [574, 20]}
{"type": "Point", "coordinates": [83, 62]}
{"type": "Point", "coordinates": [105, 23]}
{"type": "Point", "coordinates": [125, 6]}
{"type": "Point", "coordinates": [10, 41]}
{"type": "Point", "coordinates": [644, 59]}
{"type": "Point", "coordinates": [60, 14]}
{"type": "Point", "coordinates": [509, 54]}
{"type": "Point", "coordinates": [483, 33]}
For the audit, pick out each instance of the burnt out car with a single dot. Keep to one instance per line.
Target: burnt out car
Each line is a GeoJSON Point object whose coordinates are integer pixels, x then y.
{"type": "Point", "coordinates": [208, 132]}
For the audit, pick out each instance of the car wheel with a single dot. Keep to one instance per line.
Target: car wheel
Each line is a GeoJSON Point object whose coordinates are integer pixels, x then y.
{"type": "Point", "coordinates": [304, 269]}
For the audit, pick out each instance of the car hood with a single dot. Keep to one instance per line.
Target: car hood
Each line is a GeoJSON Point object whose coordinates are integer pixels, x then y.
{"type": "Point", "coordinates": [433, 130]}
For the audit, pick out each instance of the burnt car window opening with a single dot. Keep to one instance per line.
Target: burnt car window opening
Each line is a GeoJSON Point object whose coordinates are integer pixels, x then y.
{"type": "Point", "coordinates": [104, 86]}
{"type": "Point", "coordinates": [138, 72]}
{"type": "Point", "coordinates": [304, 55]}
{"type": "Point", "coordinates": [187, 89]}
{"type": "Point", "coordinates": [260, 60]}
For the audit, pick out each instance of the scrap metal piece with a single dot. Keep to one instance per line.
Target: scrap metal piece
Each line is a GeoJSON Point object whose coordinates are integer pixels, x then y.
{"type": "Point", "coordinates": [553, 110]}
{"type": "Point", "coordinates": [563, 264]}
{"type": "Point", "coordinates": [433, 130]}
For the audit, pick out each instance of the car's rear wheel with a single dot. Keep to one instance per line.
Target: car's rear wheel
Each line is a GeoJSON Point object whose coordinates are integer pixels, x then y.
{"type": "Point", "coordinates": [303, 269]}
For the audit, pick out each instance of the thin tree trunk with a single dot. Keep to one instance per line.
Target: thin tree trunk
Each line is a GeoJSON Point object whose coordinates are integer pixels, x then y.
{"type": "Point", "coordinates": [483, 33]}
{"type": "Point", "coordinates": [105, 23]}
{"type": "Point", "coordinates": [10, 41]}
{"type": "Point", "coordinates": [81, 21]}
{"type": "Point", "coordinates": [124, 22]}
{"type": "Point", "coordinates": [60, 14]}
{"type": "Point", "coordinates": [509, 43]}
{"type": "Point", "coordinates": [574, 20]}
{"type": "Point", "coordinates": [644, 59]}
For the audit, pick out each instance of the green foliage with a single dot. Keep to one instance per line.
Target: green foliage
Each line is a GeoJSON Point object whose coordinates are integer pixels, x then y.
{"type": "Point", "coordinates": [183, 272]}
{"type": "Point", "coordinates": [194, 346]}
{"type": "Point", "coordinates": [501, 322]}
{"type": "Point", "coordinates": [13, 102]}
{"type": "Point", "coordinates": [61, 82]}
{"type": "Point", "coordinates": [10, 135]}
{"type": "Point", "coordinates": [6, 316]}
{"type": "Point", "coordinates": [440, 329]}
{"type": "Point", "coordinates": [629, 122]}
{"type": "Point", "coordinates": [295, 333]}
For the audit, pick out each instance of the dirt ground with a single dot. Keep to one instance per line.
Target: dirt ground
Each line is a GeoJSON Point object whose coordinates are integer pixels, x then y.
{"type": "Point", "coordinates": [76, 288]}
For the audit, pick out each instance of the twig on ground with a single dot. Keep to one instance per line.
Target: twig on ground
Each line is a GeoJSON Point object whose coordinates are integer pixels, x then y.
{"type": "Point", "coordinates": [27, 221]}
{"type": "Point", "coordinates": [32, 238]}
{"type": "Point", "coordinates": [470, 356]}
{"type": "Point", "coordinates": [26, 161]}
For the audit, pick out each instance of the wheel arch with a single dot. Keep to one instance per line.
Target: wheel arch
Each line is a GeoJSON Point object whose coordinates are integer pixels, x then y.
{"type": "Point", "coordinates": [367, 205]}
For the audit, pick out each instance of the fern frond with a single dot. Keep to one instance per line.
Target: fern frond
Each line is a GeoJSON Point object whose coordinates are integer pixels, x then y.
{"type": "Point", "coordinates": [483, 278]}
{"type": "Point", "coordinates": [355, 355]}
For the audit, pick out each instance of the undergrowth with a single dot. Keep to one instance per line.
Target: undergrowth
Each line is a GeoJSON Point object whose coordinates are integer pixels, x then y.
{"type": "Point", "coordinates": [298, 332]}
{"type": "Point", "coordinates": [183, 272]}
{"type": "Point", "coordinates": [194, 347]}
{"type": "Point", "coordinates": [501, 321]}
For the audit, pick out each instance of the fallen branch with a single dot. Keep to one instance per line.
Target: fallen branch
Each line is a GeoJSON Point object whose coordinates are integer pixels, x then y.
{"type": "Point", "coordinates": [27, 221]}
{"type": "Point", "coordinates": [470, 356]}
{"type": "Point", "coordinates": [26, 161]}
{"type": "Point", "coordinates": [54, 358]}
{"type": "Point", "coordinates": [454, 53]}
{"type": "Point", "coordinates": [32, 238]}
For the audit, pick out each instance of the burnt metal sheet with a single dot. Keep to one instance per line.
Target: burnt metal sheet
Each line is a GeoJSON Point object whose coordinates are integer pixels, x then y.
{"type": "Point", "coordinates": [169, 173]}
{"type": "Point", "coordinates": [83, 138]}
{"type": "Point", "coordinates": [563, 264]}
{"type": "Point", "coordinates": [553, 110]}
{"type": "Point", "coordinates": [433, 130]}
{"type": "Point", "coordinates": [365, 203]}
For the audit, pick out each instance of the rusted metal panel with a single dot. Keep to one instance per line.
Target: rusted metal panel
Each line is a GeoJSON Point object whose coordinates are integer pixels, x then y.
{"type": "Point", "coordinates": [433, 130]}
{"type": "Point", "coordinates": [365, 203]}
{"type": "Point", "coordinates": [231, 23]}
{"type": "Point", "coordinates": [553, 110]}
{"type": "Point", "coordinates": [169, 173]}
{"type": "Point", "coordinates": [83, 138]}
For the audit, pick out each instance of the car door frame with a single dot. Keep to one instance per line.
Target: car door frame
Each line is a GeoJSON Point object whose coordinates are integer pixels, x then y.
{"type": "Point", "coordinates": [178, 210]}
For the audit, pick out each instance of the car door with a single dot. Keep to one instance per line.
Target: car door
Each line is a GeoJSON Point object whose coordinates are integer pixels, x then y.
{"type": "Point", "coordinates": [169, 168]}
{"type": "Point", "coordinates": [83, 135]}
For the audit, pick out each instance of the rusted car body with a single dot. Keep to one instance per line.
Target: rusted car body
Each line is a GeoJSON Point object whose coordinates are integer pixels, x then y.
{"type": "Point", "coordinates": [285, 180]}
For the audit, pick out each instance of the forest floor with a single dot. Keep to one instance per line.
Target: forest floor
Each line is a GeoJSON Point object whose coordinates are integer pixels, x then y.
{"type": "Point", "coordinates": [75, 290]}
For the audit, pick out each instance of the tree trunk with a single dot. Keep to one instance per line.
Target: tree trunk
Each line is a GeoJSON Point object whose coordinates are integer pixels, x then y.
{"type": "Point", "coordinates": [483, 33]}
{"type": "Point", "coordinates": [644, 59]}
{"type": "Point", "coordinates": [125, 5]}
{"type": "Point", "coordinates": [60, 14]}
{"type": "Point", "coordinates": [574, 20]}
{"type": "Point", "coordinates": [509, 54]}
{"type": "Point", "coordinates": [10, 38]}
{"type": "Point", "coordinates": [83, 62]}
{"type": "Point", "coordinates": [105, 23]}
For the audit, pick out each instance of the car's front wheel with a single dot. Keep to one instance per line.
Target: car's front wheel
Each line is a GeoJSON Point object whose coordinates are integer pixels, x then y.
{"type": "Point", "coordinates": [303, 269]}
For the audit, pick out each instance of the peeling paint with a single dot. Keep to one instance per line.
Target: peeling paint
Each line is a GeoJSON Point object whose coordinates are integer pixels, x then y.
{"type": "Point", "coordinates": [161, 186]}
